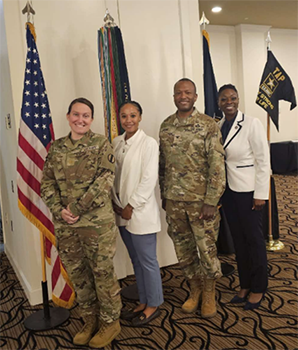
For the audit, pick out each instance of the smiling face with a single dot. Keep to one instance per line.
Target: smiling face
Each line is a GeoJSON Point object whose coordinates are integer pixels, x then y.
{"type": "Point", "coordinates": [184, 97]}
{"type": "Point", "coordinates": [130, 118]}
{"type": "Point", "coordinates": [79, 119]}
{"type": "Point", "coordinates": [228, 102]}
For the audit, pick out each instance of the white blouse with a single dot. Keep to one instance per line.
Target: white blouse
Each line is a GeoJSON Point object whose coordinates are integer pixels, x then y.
{"type": "Point", "coordinates": [124, 146]}
{"type": "Point", "coordinates": [135, 182]}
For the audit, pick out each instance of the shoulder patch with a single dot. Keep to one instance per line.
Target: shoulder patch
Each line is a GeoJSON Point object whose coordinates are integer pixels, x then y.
{"type": "Point", "coordinates": [111, 158]}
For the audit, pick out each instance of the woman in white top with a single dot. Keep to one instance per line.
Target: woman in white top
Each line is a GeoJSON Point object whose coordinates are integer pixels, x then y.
{"type": "Point", "coordinates": [248, 175]}
{"type": "Point", "coordinates": [137, 210]}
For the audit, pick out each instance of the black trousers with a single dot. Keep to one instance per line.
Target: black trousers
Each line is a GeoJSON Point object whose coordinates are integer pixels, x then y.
{"type": "Point", "coordinates": [250, 248]}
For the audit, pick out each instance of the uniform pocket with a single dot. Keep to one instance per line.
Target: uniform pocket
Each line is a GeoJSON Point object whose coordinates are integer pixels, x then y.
{"type": "Point", "coordinates": [88, 165]}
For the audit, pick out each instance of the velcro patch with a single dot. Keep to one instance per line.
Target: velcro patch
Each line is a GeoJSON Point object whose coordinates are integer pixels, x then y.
{"type": "Point", "coordinates": [111, 158]}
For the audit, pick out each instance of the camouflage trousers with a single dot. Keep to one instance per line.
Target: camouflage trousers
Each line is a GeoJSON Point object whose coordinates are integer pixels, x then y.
{"type": "Point", "coordinates": [87, 254]}
{"type": "Point", "coordinates": [194, 239]}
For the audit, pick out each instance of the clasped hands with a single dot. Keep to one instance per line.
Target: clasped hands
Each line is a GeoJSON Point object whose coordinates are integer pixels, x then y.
{"type": "Point", "coordinates": [125, 213]}
{"type": "Point", "coordinates": [68, 217]}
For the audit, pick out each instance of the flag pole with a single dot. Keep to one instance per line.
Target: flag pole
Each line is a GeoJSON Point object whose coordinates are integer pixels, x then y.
{"type": "Point", "coordinates": [112, 123]}
{"type": "Point", "coordinates": [271, 244]}
{"type": "Point", "coordinates": [270, 236]}
{"type": "Point", "coordinates": [44, 283]}
{"type": "Point", "coordinates": [46, 318]}
{"type": "Point", "coordinates": [227, 269]}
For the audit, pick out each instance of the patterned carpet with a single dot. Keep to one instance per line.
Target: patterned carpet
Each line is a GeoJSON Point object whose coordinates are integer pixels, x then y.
{"type": "Point", "coordinates": [272, 326]}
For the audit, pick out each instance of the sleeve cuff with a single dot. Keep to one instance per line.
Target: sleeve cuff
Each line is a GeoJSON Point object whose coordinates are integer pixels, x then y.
{"type": "Point", "coordinates": [74, 210]}
{"type": "Point", "coordinates": [133, 203]}
{"type": "Point", "coordinates": [211, 201]}
{"type": "Point", "coordinates": [57, 214]}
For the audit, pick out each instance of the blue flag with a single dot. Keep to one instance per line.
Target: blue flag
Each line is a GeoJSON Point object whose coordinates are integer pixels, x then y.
{"type": "Point", "coordinates": [210, 88]}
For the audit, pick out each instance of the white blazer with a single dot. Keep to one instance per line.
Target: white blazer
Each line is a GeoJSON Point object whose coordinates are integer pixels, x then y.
{"type": "Point", "coordinates": [247, 156]}
{"type": "Point", "coordinates": [137, 184]}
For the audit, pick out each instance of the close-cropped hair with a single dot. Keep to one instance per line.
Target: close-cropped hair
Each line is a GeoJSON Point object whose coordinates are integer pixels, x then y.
{"type": "Point", "coordinates": [134, 103]}
{"type": "Point", "coordinates": [225, 87]}
{"type": "Point", "coordinates": [85, 102]}
{"type": "Point", "coordinates": [186, 79]}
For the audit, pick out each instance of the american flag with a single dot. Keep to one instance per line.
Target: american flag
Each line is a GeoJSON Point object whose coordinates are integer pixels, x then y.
{"type": "Point", "coordinates": [35, 137]}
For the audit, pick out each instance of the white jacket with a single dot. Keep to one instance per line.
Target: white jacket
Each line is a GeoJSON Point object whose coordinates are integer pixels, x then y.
{"type": "Point", "coordinates": [247, 156]}
{"type": "Point", "coordinates": [137, 184]}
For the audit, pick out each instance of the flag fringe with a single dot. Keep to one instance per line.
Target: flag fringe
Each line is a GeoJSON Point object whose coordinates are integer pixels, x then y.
{"type": "Point", "coordinates": [114, 78]}
{"type": "Point", "coordinates": [206, 35]}
{"type": "Point", "coordinates": [62, 303]}
{"type": "Point", "coordinates": [37, 223]}
{"type": "Point", "coordinates": [32, 29]}
{"type": "Point", "coordinates": [40, 226]}
{"type": "Point", "coordinates": [65, 276]}
{"type": "Point", "coordinates": [49, 235]}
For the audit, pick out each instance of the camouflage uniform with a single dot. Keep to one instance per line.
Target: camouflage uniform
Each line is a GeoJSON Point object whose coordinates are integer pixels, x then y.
{"type": "Point", "coordinates": [191, 173]}
{"type": "Point", "coordinates": [81, 175]}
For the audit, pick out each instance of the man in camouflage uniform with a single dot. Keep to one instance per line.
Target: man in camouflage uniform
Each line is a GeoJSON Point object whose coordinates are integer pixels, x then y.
{"type": "Point", "coordinates": [78, 176]}
{"type": "Point", "coordinates": [192, 180]}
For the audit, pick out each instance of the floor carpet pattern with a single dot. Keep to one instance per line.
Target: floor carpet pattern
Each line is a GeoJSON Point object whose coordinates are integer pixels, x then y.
{"type": "Point", "coordinates": [272, 326]}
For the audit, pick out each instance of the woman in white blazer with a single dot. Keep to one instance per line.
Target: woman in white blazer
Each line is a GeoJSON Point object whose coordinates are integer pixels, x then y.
{"type": "Point", "coordinates": [248, 176]}
{"type": "Point", "coordinates": [137, 210]}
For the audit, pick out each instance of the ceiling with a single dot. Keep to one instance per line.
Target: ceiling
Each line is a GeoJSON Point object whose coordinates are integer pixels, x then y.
{"type": "Point", "coordinates": [278, 14]}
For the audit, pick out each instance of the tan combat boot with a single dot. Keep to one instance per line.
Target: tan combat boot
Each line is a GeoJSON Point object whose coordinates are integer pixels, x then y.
{"type": "Point", "coordinates": [208, 309]}
{"type": "Point", "coordinates": [106, 334]}
{"type": "Point", "coordinates": [196, 288]}
{"type": "Point", "coordinates": [85, 334]}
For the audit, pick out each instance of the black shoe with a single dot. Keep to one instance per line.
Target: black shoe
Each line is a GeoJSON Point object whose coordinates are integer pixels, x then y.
{"type": "Point", "coordinates": [238, 300]}
{"type": "Point", "coordinates": [129, 314]}
{"type": "Point", "coordinates": [252, 306]}
{"type": "Point", "coordinates": [141, 319]}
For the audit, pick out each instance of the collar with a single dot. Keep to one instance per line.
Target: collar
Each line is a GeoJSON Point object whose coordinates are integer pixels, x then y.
{"type": "Point", "coordinates": [68, 143]}
{"type": "Point", "coordinates": [190, 118]}
{"type": "Point", "coordinates": [237, 119]}
{"type": "Point", "coordinates": [235, 129]}
{"type": "Point", "coordinates": [131, 140]}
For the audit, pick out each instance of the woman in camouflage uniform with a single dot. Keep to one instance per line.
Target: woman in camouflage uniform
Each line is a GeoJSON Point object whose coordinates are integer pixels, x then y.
{"type": "Point", "coordinates": [77, 178]}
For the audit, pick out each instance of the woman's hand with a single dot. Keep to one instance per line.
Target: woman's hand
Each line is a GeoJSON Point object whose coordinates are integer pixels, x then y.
{"type": "Point", "coordinates": [117, 209]}
{"type": "Point", "coordinates": [127, 212]}
{"type": "Point", "coordinates": [258, 204]}
{"type": "Point", "coordinates": [68, 217]}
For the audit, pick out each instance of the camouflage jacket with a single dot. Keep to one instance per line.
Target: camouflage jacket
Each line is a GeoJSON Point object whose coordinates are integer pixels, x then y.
{"type": "Point", "coordinates": [80, 175]}
{"type": "Point", "coordinates": [191, 164]}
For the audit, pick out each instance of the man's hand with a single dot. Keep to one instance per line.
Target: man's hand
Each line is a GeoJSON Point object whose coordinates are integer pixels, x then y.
{"type": "Point", "coordinates": [117, 209]}
{"type": "Point", "coordinates": [207, 212]}
{"type": "Point", "coordinates": [68, 217]}
{"type": "Point", "coordinates": [127, 212]}
{"type": "Point", "coordinates": [258, 204]}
